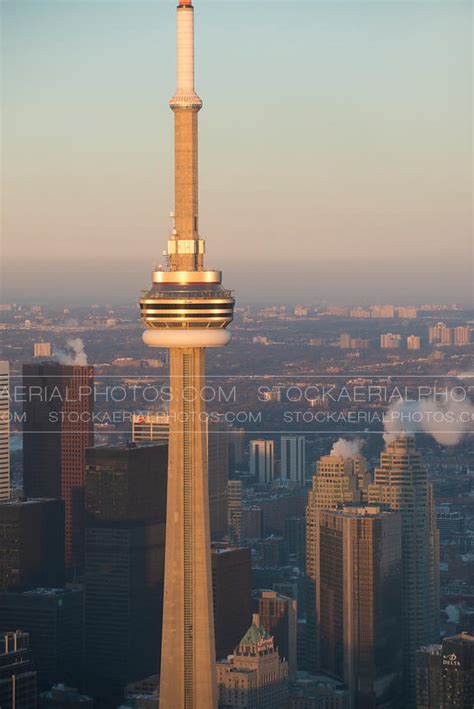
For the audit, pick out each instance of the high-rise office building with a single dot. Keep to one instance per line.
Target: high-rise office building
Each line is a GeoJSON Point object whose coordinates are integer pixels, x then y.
{"type": "Point", "coordinates": [187, 310]}
{"type": "Point", "coordinates": [234, 510]}
{"type": "Point", "coordinates": [17, 672]}
{"type": "Point", "coordinates": [231, 590]}
{"type": "Point", "coordinates": [262, 460]}
{"type": "Point", "coordinates": [57, 429]}
{"type": "Point", "coordinates": [445, 674]}
{"type": "Point", "coordinates": [358, 601]}
{"type": "Point", "coordinates": [31, 543]}
{"type": "Point", "coordinates": [295, 535]}
{"type": "Point", "coordinates": [218, 466]}
{"type": "Point", "coordinates": [124, 566]}
{"type": "Point", "coordinates": [293, 459]}
{"type": "Point", "coordinates": [237, 446]}
{"type": "Point", "coordinates": [54, 619]}
{"type": "Point", "coordinates": [4, 430]}
{"type": "Point", "coordinates": [150, 428]}
{"type": "Point", "coordinates": [278, 616]}
{"type": "Point", "coordinates": [401, 484]}
{"type": "Point", "coordinates": [338, 481]}
{"type": "Point", "coordinates": [254, 676]}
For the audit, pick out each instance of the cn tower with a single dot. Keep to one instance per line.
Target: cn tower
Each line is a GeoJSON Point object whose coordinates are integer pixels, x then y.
{"type": "Point", "coordinates": [187, 310]}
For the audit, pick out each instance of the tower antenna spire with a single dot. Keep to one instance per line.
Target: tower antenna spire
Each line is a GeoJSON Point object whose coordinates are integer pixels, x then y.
{"type": "Point", "coordinates": [187, 310]}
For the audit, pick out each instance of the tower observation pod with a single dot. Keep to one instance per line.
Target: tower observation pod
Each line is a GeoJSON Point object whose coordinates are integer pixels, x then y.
{"type": "Point", "coordinates": [187, 310]}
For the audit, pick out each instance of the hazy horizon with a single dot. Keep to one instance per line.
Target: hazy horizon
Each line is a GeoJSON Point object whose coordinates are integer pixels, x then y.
{"type": "Point", "coordinates": [335, 153]}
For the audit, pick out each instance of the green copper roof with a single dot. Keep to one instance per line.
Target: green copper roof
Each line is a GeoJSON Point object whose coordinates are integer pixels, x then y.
{"type": "Point", "coordinates": [254, 634]}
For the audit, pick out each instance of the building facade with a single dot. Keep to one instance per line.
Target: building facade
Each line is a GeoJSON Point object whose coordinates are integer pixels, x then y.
{"type": "Point", "coordinates": [278, 615]}
{"type": "Point", "coordinates": [293, 459]}
{"type": "Point", "coordinates": [231, 591]}
{"type": "Point", "coordinates": [254, 676]}
{"type": "Point", "coordinates": [57, 429]}
{"type": "Point", "coordinates": [54, 620]}
{"type": "Point", "coordinates": [445, 674]}
{"type": "Point", "coordinates": [401, 484]}
{"type": "Point", "coordinates": [31, 543]}
{"type": "Point", "coordinates": [358, 601]}
{"type": "Point", "coordinates": [262, 460]}
{"type": "Point", "coordinates": [124, 566]}
{"type": "Point", "coordinates": [17, 672]}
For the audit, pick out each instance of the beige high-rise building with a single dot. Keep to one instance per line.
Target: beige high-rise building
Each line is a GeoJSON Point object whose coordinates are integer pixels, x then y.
{"type": "Point", "coordinates": [462, 335]}
{"type": "Point", "coordinates": [254, 677]}
{"type": "Point", "coordinates": [358, 601]}
{"type": "Point", "coordinates": [187, 310]}
{"type": "Point", "coordinates": [338, 481]}
{"type": "Point", "coordinates": [390, 341]}
{"type": "Point", "coordinates": [440, 334]}
{"type": "Point", "coordinates": [401, 484]}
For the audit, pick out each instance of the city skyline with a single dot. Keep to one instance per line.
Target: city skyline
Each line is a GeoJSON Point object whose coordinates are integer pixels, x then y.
{"type": "Point", "coordinates": [375, 168]}
{"type": "Point", "coordinates": [208, 499]}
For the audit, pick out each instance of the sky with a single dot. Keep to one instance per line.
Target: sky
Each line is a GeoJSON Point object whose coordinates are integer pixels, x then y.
{"type": "Point", "coordinates": [335, 148]}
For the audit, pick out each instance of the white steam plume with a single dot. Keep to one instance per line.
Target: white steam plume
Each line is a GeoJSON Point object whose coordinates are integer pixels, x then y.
{"type": "Point", "coordinates": [453, 613]}
{"type": "Point", "coordinates": [343, 448]}
{"type": "Point", "coordinates": [446, 421]}
{"type": "Point", "coordinates": [74, 354]}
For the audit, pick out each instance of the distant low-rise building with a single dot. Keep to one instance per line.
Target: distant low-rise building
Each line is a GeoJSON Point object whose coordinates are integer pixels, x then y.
{"type": "Point", "coordinates": [413, 342]}
{"type": "Point", "coordinates": [42, 349]}
{"type": "Point", "coordinates": [390, 341]}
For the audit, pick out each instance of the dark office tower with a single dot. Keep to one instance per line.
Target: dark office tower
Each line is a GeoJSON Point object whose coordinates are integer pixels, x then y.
{"type": "Point", "coordinates": [231, 590]}
{"type": "Point", "coordinates": [237, 447]}
{"type": "Point", "coordinates": [273, 552]}
{"type": "Point", "coordinates": [295, 535]}
{"type": "Point", "coordinates": [218, 466]}
{"type": "Point", "coordinates": [17, 672]}
{"type": "Point", "coordinates": [31, 543]}
{"type": "Point", "coordinates": [53, 617]}
{"type": "Point", "coordinates": [358, 601]}
{"type": "Point", "coordinates": [58, 428]}
{"type": "Point", "coordinates": [445, 674]}
{"type": "Point", "coordinates": [401, 483]}
{"type": "Point", "coordinates": [278, 617]}
{"type": "Point", "coordinates": [124, 566]}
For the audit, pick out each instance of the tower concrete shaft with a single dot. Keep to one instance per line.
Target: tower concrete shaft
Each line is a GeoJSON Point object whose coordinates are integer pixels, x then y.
{"type": "Point", "coordinates": [188, 675]}
{"type": "Point", "coordinates": [187, 309]}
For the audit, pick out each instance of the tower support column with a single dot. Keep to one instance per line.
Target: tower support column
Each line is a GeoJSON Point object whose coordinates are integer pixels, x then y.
{"type": "Point", "coordinates": [188, 679]}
